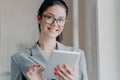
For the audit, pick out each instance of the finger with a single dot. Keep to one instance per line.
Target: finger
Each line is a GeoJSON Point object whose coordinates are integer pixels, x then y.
{"type": "Point", "coordinates": [62, 75]}
{"type": "Point", "coordinates": [64, 71]}
{"type": "Point", "coordinates": [57, 73]}
{"type": "Point", "coordinates": [38, 67]}
{"type": "Point", "coordinates": [59, 76]}
{"type": "Point", "coordinates": [69, 69]}
{"type": "Point", "coordinates": [28, 74]}
{"type": "Point", "coordinates": [31, 69]}
{"type": "Point", "coordinates": [40, 70]}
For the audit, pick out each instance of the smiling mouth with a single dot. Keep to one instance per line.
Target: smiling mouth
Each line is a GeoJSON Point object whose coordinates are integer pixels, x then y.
{"type": "Point", "coordinates": [52, 30]}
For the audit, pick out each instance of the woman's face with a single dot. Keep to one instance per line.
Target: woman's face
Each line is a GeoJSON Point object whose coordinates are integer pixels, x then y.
{"type": "Point", "coordinates": [52, 21]}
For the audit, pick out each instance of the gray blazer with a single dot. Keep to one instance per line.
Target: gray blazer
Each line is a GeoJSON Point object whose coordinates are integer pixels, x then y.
{"type": "Point", "coordinates": [21, 61]}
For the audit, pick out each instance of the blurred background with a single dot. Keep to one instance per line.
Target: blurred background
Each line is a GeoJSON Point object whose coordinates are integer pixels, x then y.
{"type": "Point", "coordinates": [93, 25]}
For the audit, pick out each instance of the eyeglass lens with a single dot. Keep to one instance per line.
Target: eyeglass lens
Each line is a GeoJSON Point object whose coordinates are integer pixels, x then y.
{"type": "Point", "coordinates": [50, 20]}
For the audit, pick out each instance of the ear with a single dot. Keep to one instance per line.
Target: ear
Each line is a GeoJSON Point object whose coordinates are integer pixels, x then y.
{"type": "Point", "coordinates": [39, 19]}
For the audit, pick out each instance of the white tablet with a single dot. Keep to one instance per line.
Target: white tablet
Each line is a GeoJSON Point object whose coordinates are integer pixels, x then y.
{"type": "Point", "coordinates": [58, 57]}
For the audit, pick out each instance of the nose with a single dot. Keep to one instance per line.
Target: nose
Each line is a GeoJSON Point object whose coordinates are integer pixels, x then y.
{"type": "Point", "coordinates": [55, 23]}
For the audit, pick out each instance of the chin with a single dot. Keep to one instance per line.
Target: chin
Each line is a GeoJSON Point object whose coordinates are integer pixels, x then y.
{"type": "Point", "coordinates": [52, 36]}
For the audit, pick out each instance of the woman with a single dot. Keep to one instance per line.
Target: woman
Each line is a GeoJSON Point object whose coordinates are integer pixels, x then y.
{"type": "Point", "coordinates": [51, 18]}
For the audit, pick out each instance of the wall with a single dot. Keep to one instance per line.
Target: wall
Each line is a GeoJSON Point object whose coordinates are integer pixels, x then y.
{"type": "Point", "coordinates": [18, 29]}
{"type": "Point", "coordinates": [18, 19]}
{"type": "Point", "coordinates": [68, 29]}
{"type": "Point", "coordinates": [109, 39]}
{"type": "Point", "coordinates": [101, 42]}
{"type": "Point", "coordinates": [88, 36]}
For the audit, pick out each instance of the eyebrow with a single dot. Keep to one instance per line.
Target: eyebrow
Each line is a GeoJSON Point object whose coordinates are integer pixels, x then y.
{"type": "Point", "coordinates": [50, 14]}
{"type": "Point", "coordinates": [54, 15]}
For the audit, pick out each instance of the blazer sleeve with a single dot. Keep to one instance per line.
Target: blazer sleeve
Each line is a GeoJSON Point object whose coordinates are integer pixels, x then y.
{"type": "Point", "coordinates": [83, 67]}
{"type": "Point", "coordinates": [15, 70]}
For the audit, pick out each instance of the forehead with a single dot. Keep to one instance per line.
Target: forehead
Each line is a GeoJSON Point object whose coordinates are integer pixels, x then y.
{"type": "Point", "coordinates": [56, 10]}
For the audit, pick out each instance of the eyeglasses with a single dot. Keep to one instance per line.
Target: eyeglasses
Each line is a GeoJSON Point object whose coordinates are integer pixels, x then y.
{"type": "Point", "coordinates": [51, 19]}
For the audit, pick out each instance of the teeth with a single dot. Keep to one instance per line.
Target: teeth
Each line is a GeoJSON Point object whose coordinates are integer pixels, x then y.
{"type": "Point", "coordinates": [52, 30]}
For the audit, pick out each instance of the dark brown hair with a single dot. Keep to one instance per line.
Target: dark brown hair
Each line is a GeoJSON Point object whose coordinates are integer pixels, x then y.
{"type": "Point", "coordinates": [48, 3]}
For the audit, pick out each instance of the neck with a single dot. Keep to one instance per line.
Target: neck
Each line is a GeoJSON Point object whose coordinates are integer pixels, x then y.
{"type": "Point", "coordinates": [47, 45]}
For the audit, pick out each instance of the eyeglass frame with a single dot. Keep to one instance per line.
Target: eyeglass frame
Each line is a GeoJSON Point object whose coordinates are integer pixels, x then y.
{"type": "Point", "coordinates": [54, 19]}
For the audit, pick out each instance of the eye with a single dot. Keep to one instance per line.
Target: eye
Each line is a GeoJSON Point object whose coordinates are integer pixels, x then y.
{"type": "Point", "coordinates": [61, 20]}
{"type": "Point", "coordinates": [48, 17]}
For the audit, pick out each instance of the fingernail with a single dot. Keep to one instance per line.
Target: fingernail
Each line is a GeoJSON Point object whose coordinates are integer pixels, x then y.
{"type": "Point", "coordinates": [59, 67]}
{"type": "Point", "coordinates": [28, 69]}
{"type": "Point", "coordinates": [65, 65]}
{"type": "Point", "coordinates": [55, 69]}
{"type": "Point", "coordinates": [55, 73]}
{"type": "Point", "coordinates": [33, 65]}
{"type": "Point", "coordinates": [39, 65]}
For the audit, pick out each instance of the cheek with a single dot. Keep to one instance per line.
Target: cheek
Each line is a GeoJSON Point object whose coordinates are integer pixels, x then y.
{"type": "Point", "coordinates": [61, 29]}
{"type": "Point", "coordinates": [43, 25]}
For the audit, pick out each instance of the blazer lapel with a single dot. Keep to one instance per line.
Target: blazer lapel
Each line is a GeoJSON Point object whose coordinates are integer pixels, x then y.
{"type": "Point", "coordinates": [61, 46]}
{"type": "Point", "coordinates": [37, 56]}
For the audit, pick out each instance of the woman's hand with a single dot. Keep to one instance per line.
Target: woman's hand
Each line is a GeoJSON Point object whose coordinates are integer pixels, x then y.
{"type": "Point", "coordinates": [34, 72]}
{"type": "Point", "coordinates": [65, 72]}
